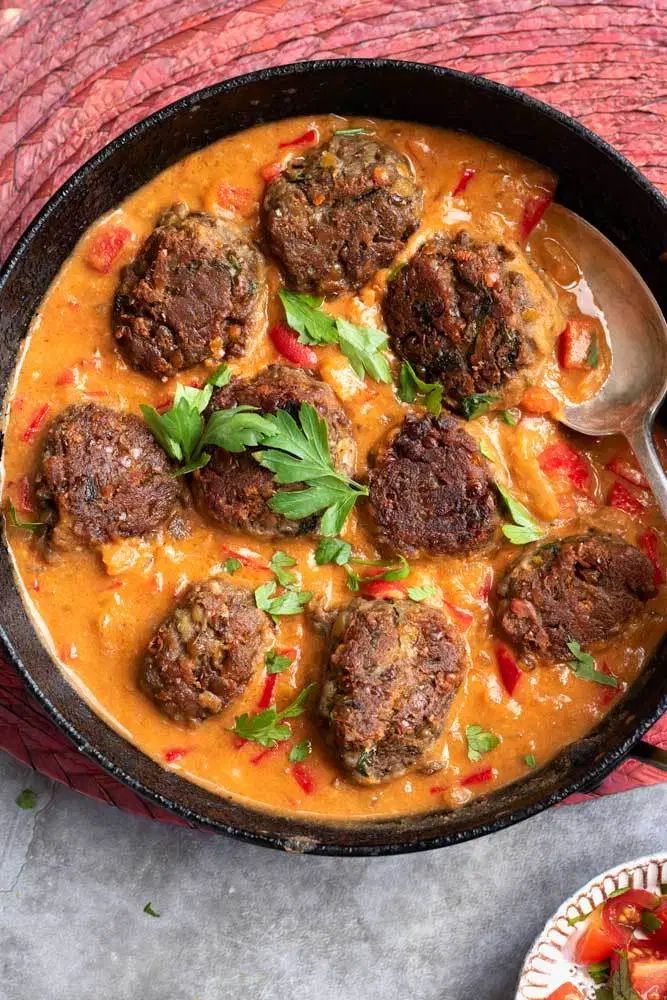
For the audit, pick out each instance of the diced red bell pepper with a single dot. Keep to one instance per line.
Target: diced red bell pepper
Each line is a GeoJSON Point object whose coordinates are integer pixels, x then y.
{"type": "Point", "coordinates": [479, 777]}
{"type": "Point", "coordinates": [561, 458]}
{"type": "Point", "coordinates": [263, 754]}
{"type": "Point", "coordinates": [246, 558]}
{"type": "Point", "coordinates": [309, 138]}
{"type": "Point", "coordinates": [270, 171]}
{"type": "Point", "coordinates": [267, 692]}
{"type": "Point", "coordinates": [105, 246]}
{"type": "Point", "coordinates": [239, 199]}
{"type": "Point", "coordinates": [626, 470]}
{"type": "Point", "coordinates": [384, 590]}
{"type": "Point", "coordinates": [648, 542]}
{"type": "Point", "coordinates": [463, 181]}
{"type": "Point", "coordinates": [286, 342]}
{"type": "Point", "coordinates": [510, 673]}
{"type": "Point", "coordinates": [568, 991]}
{"type": "Point", "coordinates": [303, 778]}
{"type": "Point", "coordinates": [36, 422]}
{"type": "Point", "coordinates": [66, 377]}
{"type": "Point", "coordinates": [533, 211]}
{"type": "Point", "coordinates": [621, 498]}
{"type": "Point", "coordinates": [175, 753]}
{"type": "Point", "coordinates": [487, 583]}
{"type": "Point", "coordinates": [575, 343]}
{"type": "Point", "coordinates": [463, 617]}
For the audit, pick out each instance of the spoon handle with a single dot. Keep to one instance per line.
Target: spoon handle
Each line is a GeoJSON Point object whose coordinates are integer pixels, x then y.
{"type": "Point", "coordinates": [641, 442]}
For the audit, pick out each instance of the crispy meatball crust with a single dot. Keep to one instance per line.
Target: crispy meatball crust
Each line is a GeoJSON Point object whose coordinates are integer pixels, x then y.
{"type": "Point", "coordinates": [337, 214]}
{"type": "Point", "coordinates": [455, 313]}
{"type": "Point", "coordinates": [194, 291]}
{"type": "Point", "coordinates": [204, 653]}
{"type": "Point", "coordinates": [104, 477]}
{"type": "Point", "coordinates": [430, 492]}
{"type": "Point", "coordinates": [581, 588]}
{"type": "Point", "coordinates": [391, 676]}
{"type": "Point", "coordinates": [233, 489]}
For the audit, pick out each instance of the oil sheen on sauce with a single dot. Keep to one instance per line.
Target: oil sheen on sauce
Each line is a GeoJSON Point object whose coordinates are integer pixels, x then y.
{"type": "Point", "coordinates": [99, 608]}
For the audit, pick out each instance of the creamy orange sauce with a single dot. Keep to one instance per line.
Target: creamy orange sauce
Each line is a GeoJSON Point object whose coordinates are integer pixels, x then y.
{"type": "Point", "coordinates": [99, 608]}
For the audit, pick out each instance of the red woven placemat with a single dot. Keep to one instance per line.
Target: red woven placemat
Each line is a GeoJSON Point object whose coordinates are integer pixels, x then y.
{"type": "Point", "coordinates": [76, 73]}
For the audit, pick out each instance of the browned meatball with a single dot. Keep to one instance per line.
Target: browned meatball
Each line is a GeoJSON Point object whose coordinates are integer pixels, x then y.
{"type": "Point", "coordinates": [104, 476]}
{"type": "Point", "coordinates": [582, 588]}
{"type": "Point", "coordinates": [337, 214]}
{"type": "Point", "coordinates": [194, 291]}
{"type": "Point", "coordinates": [393, 671]}
{"type": "Point", "coordinates": [203, 655]}
{"type": "Point", "coordinates": [430, 491]}
{"type": "Point", "coordinates": [235, 490]}
{"type": "Point", "coordinates": [455, 313]}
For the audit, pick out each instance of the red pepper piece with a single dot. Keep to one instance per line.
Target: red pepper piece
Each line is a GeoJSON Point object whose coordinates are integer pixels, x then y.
{"type": "Point", "coordinates": [164, 404]}
{"type": "Point", "coordinates": [267, 692]}
{"type": "Point", "coordinates": [105, 246]}
{"type": "Point", "coordinates": [533, 211]}
{"type": "Point", "coordinates": [303, 778]}
{"type": "Point", "coordinates": [36, 422]}
{"type": "Point", "coordinates": [626, 470]}
{"type": "Point", "coordinates": [175, 753]}
{"type": "Point", "coordinates": [575, 342]}
{"type": "Point", "coordinates": [270, 171]}
{"type": "Point", "coordinates": [463, 181]}
{"type": "Point", "coordinates": [309, 138]}
{"type": "Point", "coordinates": [487, 583]}
{"type": "Point", "coordinates": [479, 777]}
{"type": "Point", "coordinates": [648, 542]}
{"type": "Point", "coordinates": [384, 590]}
{"type": "Point", "coordinates": [437, 789]}
{"type": "Point", "coordinates": [245, 558]}
{"type": "Point", "coordinates": [259, 757]}
{"type": "Point", "coordinates": [66, 377]}
{"type": "Point", "coordinates": [607, 693]}
{"type": "Point", "coordinates": [286, 342]}
{"type": "Point", "coordinates": [621, 498]}
{"type": "Point", "coordinates": [463, 617]}
{"type": "Point", "coordinates": [239, 199]}
{"type": "Point", "coordinates": [510, 673]}
{"type": "Point", "coordinates": [560, 457]}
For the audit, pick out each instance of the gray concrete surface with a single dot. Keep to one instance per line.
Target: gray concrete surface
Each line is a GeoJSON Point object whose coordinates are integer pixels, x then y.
{"type": "Point", "coordinates": [245, 923]}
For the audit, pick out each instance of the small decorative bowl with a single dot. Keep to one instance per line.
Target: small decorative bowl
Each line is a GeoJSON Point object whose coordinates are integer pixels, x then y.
{"type": "Point", "coordinates": [548, 965]}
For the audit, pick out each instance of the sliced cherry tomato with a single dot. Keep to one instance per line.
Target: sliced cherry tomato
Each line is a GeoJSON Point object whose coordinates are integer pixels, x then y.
{"type": "Point", "coordinates": [105, 246]}
{"type": "Point", "coordinates": [286, 342]}
{"type": "Point", "coordinates": [626, 470]}
{"type": "Point", "coordinates": [648, 543]}
{"type": "Point", "coordinates": [267, 693]}
{"type": "Point", "coordinates": [309, 138]}
{"type": "Point", "coordinates": [384, 590]}
{"type": "Point", "coordinates": [270, 171]}
{"type": "Point", "coordinates": [36, 422]}
{"type": "Point", "coordinates": [304, 778]}
{"type": "Point", "coordinates": [593, 943]}
{"type": "Point", "coordinates": [568, 991]}
{"type": "Point", "coordinates": [649, 978]}
{"type": "Point", "coordinates": [622, 498]}
{"type": "Point", "coordinates": [463, 181]}
{"type": "Point", "coordinates": [479, 777]}
{"type": "Point", "coordinates": [575, 343]}
{"type": "Point", "coordinates": [561, 458]}
{"type": "Point", "coordinates": [622, 915]}
{"type": "Point", "coordinates": [533, 211]}
{"type": "Point", "coordinates": [175, 753]}
{"type": "Point", "coordinates": [538, 400]}
{"type": "Point", "coordinates": [510, 674]}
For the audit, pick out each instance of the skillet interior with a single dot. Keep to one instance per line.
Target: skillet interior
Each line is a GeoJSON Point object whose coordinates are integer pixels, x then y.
{"type": "Point", "coordinates": [594, 181]}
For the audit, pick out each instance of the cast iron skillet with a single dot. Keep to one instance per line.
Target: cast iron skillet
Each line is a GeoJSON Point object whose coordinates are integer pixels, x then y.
{"type": "Point", "coordinates": [594, 181]}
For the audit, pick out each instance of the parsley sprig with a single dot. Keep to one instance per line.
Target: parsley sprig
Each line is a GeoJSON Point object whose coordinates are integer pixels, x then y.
{"type": "Point", "coordinates": [290, 602]}
{"type": "Point", "coordinates": [477, 404]}
{"type": "Point", "coordinates": [333, 550]}
{"type": "Point", "coordinates": [411, 388]}
{"type": "Point", "coordinates": [363, 346]}
{"type": "Point", "coordinates": [480, 741]}
{"type": "Point", "coordinates": [525, 528]}
{"type": "Point", "coordinates": [583, 666]}
{"type": "Point", "coordinates": [269, 727]}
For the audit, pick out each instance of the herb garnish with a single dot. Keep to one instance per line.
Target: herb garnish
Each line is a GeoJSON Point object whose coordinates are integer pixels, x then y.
{"type": "Point", "coordinates": [148, 908]}
{"type": "Point", "coordinates": [333, 550]}
{"type": "Point", "coordinates": [422, 593]}
{"type": "Point", "coordinates": [410, 387]}
{"type": "Point", "coordinates": [17, 522]}
{"type": "Point", "coordinates": [593, 356]}
{"type": "Point", "coordinates": [583, 666]}
{"type": "Point", "coordinates": [480, 741]}
{"type": "Point", "coordinates": [231, 565]}
{"type": "Point", "coordinates": [477, 404]}
{"type": "Point", "coordinates": [361, 345]}
{"type": "Point", "coordinates": [278, 565]}
{"type": "Point", "coordinates": [300, 751]}
{"type": "Point", "coordinates": [619, 986]}
{"type": "Point", "coordinates": [484, 451]}
{"type": "Point", "coordinates": [221, 376]}
{"type": "Point", "coordinates": [530, 760]}
{"type": "Point", "coordinates": [290, 602]}
{"type": "Point", "coordinates": [27, 799]}
{"type": "Point", "coordinates": [599, 971]}
{"type": "Point", "coordinates": [386, 571]}
{"type": "Point", "coordinates": [525, 528]}
{"type": "Point", "coordinates": [510, 417]}
{"type": "Point", "coordinates": [276, 663]}
{"type": "Point", "coordinates": [363, 762]}
{"type": "Point", "coordinates": [268, 727]}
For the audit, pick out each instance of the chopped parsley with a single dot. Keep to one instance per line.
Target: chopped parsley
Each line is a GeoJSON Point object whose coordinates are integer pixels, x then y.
{"type": "Point", "coordinates": [148, 908]}
{"type": "Point", "coordinates": [599, 972]}
{"type": "Point", "coordinates": [17, 522]}
{"type": "Point", "coordinates": [583, 666]}
{"type": "Point", "coordinates": [276, 663]}
{"type": "Point", "coordinates": [530, 760]}
{"type": "Point", "coordinates": [232, 565]}
{"type": "Point", "coordinates": [386, 571]}
{"type": "Point", "coordinates": [619, 986]}
{"type": "Point", "coordinates": [510, 417]}
{"type": "Point", "coordinates": [220, 377]}
{"type": "Point", "coordinates": [480, 741]}
{"type": "Point", "coordinates": [485, 452]}
{"type": "Point", "coordinates": [650, 922]}
{"type": "Point", "coordinates": [363, 762]}
{"type": "Point", "coordinates": [290, 602]}
{"type": "Point", "coordinates": [593, 356]}
{"type": "Point", "coordinates": [280, 561]}
{"type": "Point", "coordinates": [477, 404]}
{"type": "Point", "coordinates": [411, 388]}
{"type": "Point", "coordinates": [299, 751]}
{"type": "Point", "coordinates": [27, 799]}
{"type": "Point", "coordinates": [333, 550]}
{"type": "Point", "coordinates": [525, 528]}
{"type": "Point", "coordinates": [269, 727]}
{"type": "Point", "coordinates": [422, 593]}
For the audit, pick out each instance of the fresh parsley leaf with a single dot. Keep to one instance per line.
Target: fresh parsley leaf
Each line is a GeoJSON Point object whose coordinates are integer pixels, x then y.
{"type": "Point", "coordinates": [232, 565]}
{"type": "Point", "coordinates": [279, 563]}
{"type": "Point", "coordinates": [148, 908]}
{"type": "Point", "coordinates": [421, 593]}
{"type": "Point", "coordinates": [583, 666]}
{"type": "Point", "coordinates": [663, 888]}
{"type": "Point", "coordinates": [27, 799]}
{"type": "Point", "coordinates": [599, 972]}
{"type": "Point", "coordinates": [304, 314]}
{"type": "Point", "coordinates": [290, 602]}
{"type": "Point", "coordinates": [221, 376]}
{"type": "Point", "coordinates": [650, 922]}
{"type": "Point", "coordinates": [530, 760]}
{"type": "Point", "coordinates": [363, 762]}
{"type": "Point", "coordinates": [510, 417]}
{"type": "Point", "coordinates": [268, 727]}
{"type": "Point", "coordinates": [276, 663]}
{"type": "Point", "coordinates": [333, 550]}
{"type": "Point", "coordinates": [300, 751]}
{"type": "Point", "coordinates": [477, 404]}
{"type": "Point", "coordinates": [237, 428]}
{"type": "Point", "coordinates": [180, 429]}
{"type": "Point", "coordinates": [480, 741]}
{"type": "Point", "coordinates": [620, 985]}
{"type": "Point", "coordinates": [525, 528]}
{"type": "Point", "coordinates": [17, 522]}
{"type": "Point", "coordinates": [352, 131]}
{"type": "Point", "coordinates": [410, 387]}
{"type": "Point", "coordinates": [485, 451]}
{"type": "Point", "coordinates": [593, 356]}
{"type": "Point", "coordinates": [386, 571]}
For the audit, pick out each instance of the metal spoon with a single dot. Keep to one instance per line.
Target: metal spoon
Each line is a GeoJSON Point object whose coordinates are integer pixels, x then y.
{"type": "Point", "coordinates": [637, 382]}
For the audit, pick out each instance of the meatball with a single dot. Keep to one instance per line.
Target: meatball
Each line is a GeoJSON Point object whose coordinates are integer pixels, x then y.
{"type": "Point", "coordinates": [430, 492]}
{"type": "Point", "coordinates": [235, 490]}
{"type": "Point", "coordinates": [392, 673]}
{"type": "Point", "coordinates": [455, 313]}
{"type": "Point", "coordinates": [104, 476]}
{"type": "Point", "coordinates": [337, 214]}
{"type": "Point", "coordinates": [581, 588]}
{"type": "Point", "coordinates": [194, 291]}
{"type": "Point", "coordinates": [204, 653]}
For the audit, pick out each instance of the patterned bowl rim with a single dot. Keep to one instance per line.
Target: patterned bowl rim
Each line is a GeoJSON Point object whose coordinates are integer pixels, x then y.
{"type": "Point", "coordinates": [536, 982]}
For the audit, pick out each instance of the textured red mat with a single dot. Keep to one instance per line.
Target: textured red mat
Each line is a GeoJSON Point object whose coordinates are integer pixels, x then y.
{"type": "Point", "coordinates": [76, 73]}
